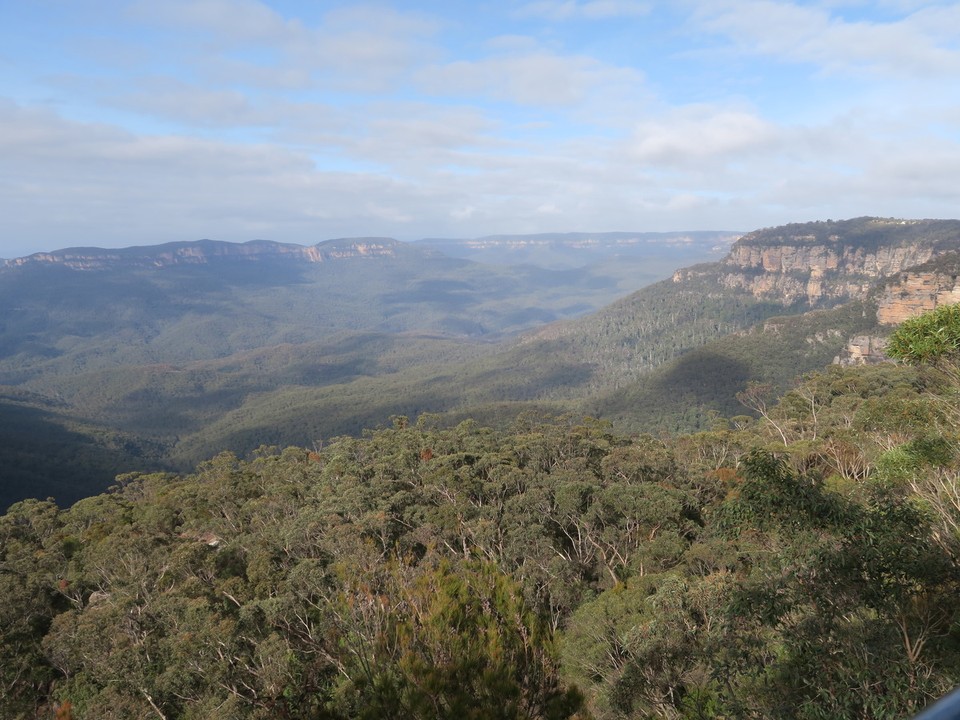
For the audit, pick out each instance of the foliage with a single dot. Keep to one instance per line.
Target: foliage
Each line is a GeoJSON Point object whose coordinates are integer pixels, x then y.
{"type": "Point", "coordinates": [160, 368]}
{"type": "Point", "coordinates": [932, 338]}
{"type": "Point", "coordinates": [865, 233]}
{"type": "Point", "coordinates": [686, 393]}
{"type": "Point", "coordinates": [801, 564]}
{"type": "Point", "coordinates": [542, 571]}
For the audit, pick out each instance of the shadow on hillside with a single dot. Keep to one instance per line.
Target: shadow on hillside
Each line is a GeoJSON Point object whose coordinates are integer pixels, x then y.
{"type": "Point", "coordinates": [41, 458]}
{"type": "Point", "coordinates": [529, 382]}
{"type": "Point", "coordinates": [681, 393]}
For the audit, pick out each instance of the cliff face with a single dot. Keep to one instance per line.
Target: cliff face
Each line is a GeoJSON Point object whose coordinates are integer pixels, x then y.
{"type": "Point", "coordinates": [915, 292]}
{"type": "Point", "coordinates": [206, 251]}
{"type": "Point", "coordinates": [815, 273]}
{"type": "Point", "coordinates": [825, 263]}
{"type": "Point", "coordinates": [863, 350]}
{"type": "Point", "coordinates": [822, 264]}
{"type": "Point", "coordinates": [903, 296]}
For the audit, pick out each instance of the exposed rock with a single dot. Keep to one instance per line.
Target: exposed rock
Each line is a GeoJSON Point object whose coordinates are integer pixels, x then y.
{"type": "Point", "coordinates": [97, 597]}
{"type": "Point", "coordinates": [912, 293]}
{"type": "Point", "coordinates": [904, 296]}
{"type": "Point", "coordinates": [815, 273]}
{"type": "Point", "coordinates": [863, 350]}
{"type": "Point", "coordinates": [824, 263]}
{"type": "Point", "coordinates": [821, 264]}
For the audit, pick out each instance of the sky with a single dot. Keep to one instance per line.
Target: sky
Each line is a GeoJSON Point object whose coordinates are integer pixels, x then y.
{"type": "Point", "coordinates": [136, 122]}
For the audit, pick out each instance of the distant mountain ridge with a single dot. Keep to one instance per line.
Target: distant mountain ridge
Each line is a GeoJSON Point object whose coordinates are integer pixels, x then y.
{"type": "Point", "coordinates": [668, 250]}
{"type": "Point", "coordinates": [205, 251]}
{"type": "Point", "coordinates": [128, 353]}
{"type": "Point", "coordinates": [667, 357]}
{"type": "Point", "coordinates": [587, 240]}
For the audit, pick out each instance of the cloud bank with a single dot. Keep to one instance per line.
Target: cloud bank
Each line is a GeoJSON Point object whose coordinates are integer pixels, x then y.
{"type": "Point", "coordinates": [127, 123]}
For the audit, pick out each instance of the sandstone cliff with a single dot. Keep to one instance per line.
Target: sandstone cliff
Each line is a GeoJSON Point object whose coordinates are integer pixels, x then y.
{"type": "Point", "coordinates": [820, 264]}
{"type": "Point", "coordinates": [815, 273]}
{"type": "Point", "coordinates": [914, 292]}
{"type": "Point", "coordinates": [823, 264]}
{"type": "Point", "coordinates": [863, 350]}
{"type": "Point", "coordinates": [905, 295]}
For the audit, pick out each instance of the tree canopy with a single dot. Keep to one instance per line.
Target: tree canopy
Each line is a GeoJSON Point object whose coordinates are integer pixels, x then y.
{"type": "Point", "coordinates": [800, 565]}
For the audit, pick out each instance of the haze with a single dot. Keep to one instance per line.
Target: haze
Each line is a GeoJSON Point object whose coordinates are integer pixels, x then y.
{"type": "Point", "coordinates": [126, 123]}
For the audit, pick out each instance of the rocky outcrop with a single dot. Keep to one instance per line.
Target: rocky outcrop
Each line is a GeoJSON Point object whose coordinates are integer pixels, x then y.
{"type": "Point", "coordinates": [825, 263]}
{"type": "Point", "coordinates": [345, 249]}
{"type": "Point", "coordinates": [904, 296]}
{"type": "Point", "coordinates": [804, 268]}
{"type": "Point", "coordinates": [911, 293]}
{"type": "Point", "coordinates": [863, 350]}
{"type": "Point", "coordinates": [822, 264]}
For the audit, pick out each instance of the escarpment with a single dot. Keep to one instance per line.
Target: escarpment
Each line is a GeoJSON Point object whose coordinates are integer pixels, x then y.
{"type": "Point", "coordinates": [203, 252]}
{"type": "Point", "coordinates": [913, 292]}
{"type": "Point", "coordinates": [822, 264]}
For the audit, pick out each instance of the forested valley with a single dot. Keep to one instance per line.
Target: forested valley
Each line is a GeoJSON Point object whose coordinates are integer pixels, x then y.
{"type": "Point", "coordinates": [801, 560]}
{"type": "Point", "coordinates": [527, 360]}
{"type": "Point", "coordinates": [157, 358]}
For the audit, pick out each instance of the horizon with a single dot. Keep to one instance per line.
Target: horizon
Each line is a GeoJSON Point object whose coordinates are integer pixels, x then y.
{"type": "Point", "coordinates": [735, 234]}
{"type": "Point", "coordinates": [127, 123]}
{"type": "Point", "coordinates": [119, 248]}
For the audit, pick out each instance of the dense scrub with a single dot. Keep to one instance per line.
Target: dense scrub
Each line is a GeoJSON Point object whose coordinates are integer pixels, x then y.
{"type": "Point", "coordinates": [801, 566]}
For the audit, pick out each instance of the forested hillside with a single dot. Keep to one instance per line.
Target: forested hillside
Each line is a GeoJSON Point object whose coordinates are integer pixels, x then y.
{"type": "Point", "coordinates": [704, 382]}
{"type": "Point", "coordinates": [803, 565]}
{"type": "Point", "coordinates": [137, 362]}
{"type": "Point", "coordinates": [117, 359]}
{"type": "Point", "coordinates": [773, 272]}
{"type": "Point", "coordinates": [88, 309]}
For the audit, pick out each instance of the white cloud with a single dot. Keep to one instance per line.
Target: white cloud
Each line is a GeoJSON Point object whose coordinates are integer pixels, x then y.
{"type": "Point", "coordinates": [112, 187]}
{"type": "Point", "coordinates": [239, 120]}
{"type": "Point", "coordinates": [559, 10]}
{"type": "Point", "coordinates": [419, 130]}
{"type": "Point", "coordinates": [366, 49]}
{"type": "Point", "coordinates": [701, 134]}
{"type": "Point", "coordinates": [548, 209]}
{"type": "Point", "coordinates": [463, 213]}
{"type": "Point", "coordinates": [230, 21]}
{"type": "Point", "coordinates": [357, 48]}
{"type": "Point", "coordinates": [538, 78]}
{"type": "Point", "coordinates": [200, 106]}
{"type": "Point", "coordinates": [921, 45]}
{"type": "Point", "coordinates": [222, 70]}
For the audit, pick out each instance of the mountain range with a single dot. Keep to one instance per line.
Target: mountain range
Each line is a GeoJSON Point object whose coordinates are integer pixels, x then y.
{"type": "Point", "coordinates": [158, 357]}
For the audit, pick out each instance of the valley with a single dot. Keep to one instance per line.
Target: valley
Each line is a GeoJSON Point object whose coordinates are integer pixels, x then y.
{"type": "Point", "coordinates": [144, 357]}
{"type": "Point", "coordinates": [654, 508]}
{"type": "Point", "coordinates": [156, 358]}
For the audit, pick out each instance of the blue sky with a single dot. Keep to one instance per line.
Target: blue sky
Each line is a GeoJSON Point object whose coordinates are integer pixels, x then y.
{"type": "Point", "coordinates": [131, 122]}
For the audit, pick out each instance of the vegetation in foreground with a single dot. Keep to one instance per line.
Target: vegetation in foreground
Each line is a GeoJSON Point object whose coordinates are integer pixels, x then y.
{"type": "Point", "coordinates": [801, 566]}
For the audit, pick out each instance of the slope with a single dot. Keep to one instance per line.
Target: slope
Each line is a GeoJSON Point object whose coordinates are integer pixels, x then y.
{"type": "Point", "coordinates": [171, 341]}
{"type": "Point", "coordinates": [87, 309]}
{"type": "Point", "coordinates": [670, 356]}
